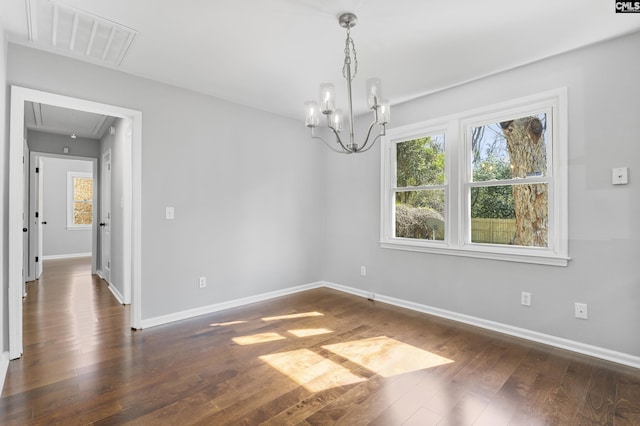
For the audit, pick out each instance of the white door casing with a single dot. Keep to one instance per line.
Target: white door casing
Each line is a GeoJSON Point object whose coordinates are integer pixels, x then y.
{"type": "Point", "coordinates": [132, 178]}
{"type": "Point", "coordinates": [33, 208]}
{"type": "Point", "coordinates": [26, 272]}
{"type": "Point", "coordinates": [39, 218]}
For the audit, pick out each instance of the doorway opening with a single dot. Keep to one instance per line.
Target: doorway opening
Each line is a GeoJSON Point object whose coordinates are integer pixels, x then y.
{"type": "Point", "coordinates": [61, 213]}
{"type": "Point", "coordinates": [130, 202]}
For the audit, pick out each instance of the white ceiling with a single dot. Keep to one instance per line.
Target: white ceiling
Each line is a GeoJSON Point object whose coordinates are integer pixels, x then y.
{"type": "Point", "coordinates": [272, 54]}
{"type": "Point", "coordinates": [65, 121]}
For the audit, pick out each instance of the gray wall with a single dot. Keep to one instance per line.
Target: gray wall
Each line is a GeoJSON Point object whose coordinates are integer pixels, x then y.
{"type": "Point", "coordinates": [53, 144]}
{"type": "Point", "coordinates": [253, 195]}
{"type": "Point", "coordinates": [58, 240]}
{"type": "Point", "coordinates": [4, 191]}
{"type": "Point", "coordinates": [246, 186]}
{"type": "Point", "coordinates": [604, 231]}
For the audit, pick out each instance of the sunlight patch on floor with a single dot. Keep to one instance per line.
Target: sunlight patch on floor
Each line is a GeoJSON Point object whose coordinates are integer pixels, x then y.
{"type": "Point", "coordinates": [293, 316]}
{"type": "Point", "coordinates": [386, 356]}
{"type": "Point", "coordinates": [306, 332]}
{"type": "Point", "coordinates": [225, 324]}
{"type": "Point", "coordinates": [257, 338]}
{"type": "Point", "coordinates": [310, 370]}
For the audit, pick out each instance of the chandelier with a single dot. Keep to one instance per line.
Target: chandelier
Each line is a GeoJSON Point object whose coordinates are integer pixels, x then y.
{"type": "Point", "coordinates": [334, 118]}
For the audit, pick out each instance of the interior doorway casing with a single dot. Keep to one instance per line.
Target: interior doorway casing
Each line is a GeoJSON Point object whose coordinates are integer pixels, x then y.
{"type": "Point", "coordinates": [131, 203]}
{"type": "Point", "coordinates": [36, 193]}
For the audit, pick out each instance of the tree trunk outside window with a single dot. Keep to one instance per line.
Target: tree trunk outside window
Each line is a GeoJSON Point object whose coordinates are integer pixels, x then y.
{"type": "Point", "coordinates": [525, 142]}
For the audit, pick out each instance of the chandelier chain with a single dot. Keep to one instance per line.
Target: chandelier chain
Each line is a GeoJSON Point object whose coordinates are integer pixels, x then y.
{"type": "Point", "coordinates": [350, 48]}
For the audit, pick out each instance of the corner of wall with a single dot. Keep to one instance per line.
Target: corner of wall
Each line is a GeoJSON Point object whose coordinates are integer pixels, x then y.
{"type": "Point", "coordinates": [4, 190]}
{"type": "Point", "coordinates": [4, 367]}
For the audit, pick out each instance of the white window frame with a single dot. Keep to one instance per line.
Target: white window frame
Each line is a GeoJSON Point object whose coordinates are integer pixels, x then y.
{"type": "Point", "coordinates": [70, 198]}
{"type": "Point", "coordinates": [458, 181]}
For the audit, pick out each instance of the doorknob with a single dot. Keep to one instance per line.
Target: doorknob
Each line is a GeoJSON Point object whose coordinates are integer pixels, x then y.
{"type": "Point", "coordinates": [44, 223]}
{"type": "Point", "coordinates": [102, 224]}
{"type": "Point", "coordinates": [24, 229]}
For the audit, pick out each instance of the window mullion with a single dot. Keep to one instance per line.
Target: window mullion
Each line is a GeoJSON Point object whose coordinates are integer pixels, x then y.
{"type": "Point", "coordinates": [509, 182]}
{"type": "Point", "coordinates": [418, 188]}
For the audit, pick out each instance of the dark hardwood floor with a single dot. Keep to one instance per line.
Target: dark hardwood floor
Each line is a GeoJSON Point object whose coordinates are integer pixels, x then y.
{"type": "Point", "coordinates": [317, 357]}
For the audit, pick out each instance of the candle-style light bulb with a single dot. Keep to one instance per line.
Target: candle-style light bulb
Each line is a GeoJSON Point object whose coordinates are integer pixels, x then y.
{"type": "Point", "coordinates": [327, 98]}
{"type": "Point", "coordinates": [374, 92]}
{"type": "Point", "coordinates": [337, 120]}
{"type": "Point", "coordinates": [384, 112]}
{"type": "Point", "coordinates": [312, 114]}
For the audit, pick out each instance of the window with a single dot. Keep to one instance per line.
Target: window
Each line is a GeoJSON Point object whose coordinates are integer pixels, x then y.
{"type": "Point", "coordinates": [420, 188]}
{"type": "Point", "coordinates": [79, 200]}
{"type": "Point", "coordinates": [489, 183]}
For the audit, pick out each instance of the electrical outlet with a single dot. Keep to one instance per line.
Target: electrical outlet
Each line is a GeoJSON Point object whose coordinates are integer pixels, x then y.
{"type": "Point", "coordinates": [525, 298]}
{"type": "Point", "coordinates": [363, 271]}
{"type": "Point", "coordinates": [581, 311]}
{"type": "Point", "coordinates": [202, 281]}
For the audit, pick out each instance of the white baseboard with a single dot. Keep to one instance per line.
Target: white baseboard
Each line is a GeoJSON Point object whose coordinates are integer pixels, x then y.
{"type": "Point", "coordinates": [190, 313]}
{"type": "Point", "coordinates": [559, 342]}
{"type": "Point", "coordinates": [116, 293]}
{"type": "Point", "coordinates": [66, 256]}
{"type": "Point", "coordinates": [4, 366]}
{"type": "Point", "coordinates": [113, 289]}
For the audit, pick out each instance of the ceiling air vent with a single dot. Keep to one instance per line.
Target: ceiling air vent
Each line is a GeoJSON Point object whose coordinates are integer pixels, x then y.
{"type": "Point", "coordinates": [64, 29]}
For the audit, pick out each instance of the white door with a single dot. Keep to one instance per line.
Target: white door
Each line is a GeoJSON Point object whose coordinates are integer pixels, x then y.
{"type": "Point", "coordinates": [105, 217]}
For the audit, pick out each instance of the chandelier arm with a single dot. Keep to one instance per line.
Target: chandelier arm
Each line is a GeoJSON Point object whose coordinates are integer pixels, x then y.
{"type": "Point", "coordinates": [339, 140]}
{"type": "Point", "coordinates": [366, 140]}
{"type": "Point", "coordinates": [372, 143]}
{"type": "Point", "coordinates": [346, 151]}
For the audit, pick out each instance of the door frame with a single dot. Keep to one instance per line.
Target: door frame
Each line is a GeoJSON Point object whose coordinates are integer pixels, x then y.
{"type": "Point", "coordinates": [105, 204]}
{"type": "Point", "coordinates": [132, 182]}
{"type": "Point", "coordinates": [35, 204]}
{"type": "Point", "coordinates": [26, 219]}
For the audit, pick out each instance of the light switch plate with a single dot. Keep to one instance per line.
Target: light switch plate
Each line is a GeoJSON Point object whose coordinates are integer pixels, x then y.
{"type": "Point", "coordinates": [169, 213]}
{"type": "Point", "coordinates": [620, 175]}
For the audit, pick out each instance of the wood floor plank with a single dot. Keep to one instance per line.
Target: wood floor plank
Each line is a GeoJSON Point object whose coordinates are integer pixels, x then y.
{"type": "Point", "coordinates": [312, 358]}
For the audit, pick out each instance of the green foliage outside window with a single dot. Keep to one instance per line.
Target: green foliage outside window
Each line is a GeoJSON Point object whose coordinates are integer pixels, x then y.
{"type": "Point", "coordinates": [420, 164]}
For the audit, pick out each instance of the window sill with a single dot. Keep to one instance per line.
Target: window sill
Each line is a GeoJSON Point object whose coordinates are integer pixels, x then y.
{"type": "Point", "coordinates": [531, 256]}
{"type": "Point", "coordinates": [78, 228]}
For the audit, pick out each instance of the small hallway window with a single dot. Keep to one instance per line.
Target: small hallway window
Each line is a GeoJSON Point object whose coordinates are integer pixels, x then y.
{"type": "Point", "coordinates": [79, 200]}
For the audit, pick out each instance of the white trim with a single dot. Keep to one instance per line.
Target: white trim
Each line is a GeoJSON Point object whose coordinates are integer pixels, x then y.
{"type": "Point", "coordinates": [113, 289]}
{"type": "Point", "coordinates": [4, 367]}
{"type": "Point", "coordinates": [101, 275]}
{"type": "Point", "coordinates": [66, 256]}
{"type": "Point", "coordinates": [559, 342]}
{"type": "Point", "coordinates": [71, 176]}
{"type": "Point", "coordinates": [457, 169]}
{"type": "Point", "coordinates": [132, 182]}
{"type": "Point", "coordinates": [116, 293]}
{"type": "Point", "coordinates": [203, 310]}
{"type": "Point", "coordinates": [35, 156]}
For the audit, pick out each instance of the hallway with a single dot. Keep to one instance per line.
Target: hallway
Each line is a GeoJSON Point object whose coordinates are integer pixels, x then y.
{"type": "Point", "coordinates": [70, 322]}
